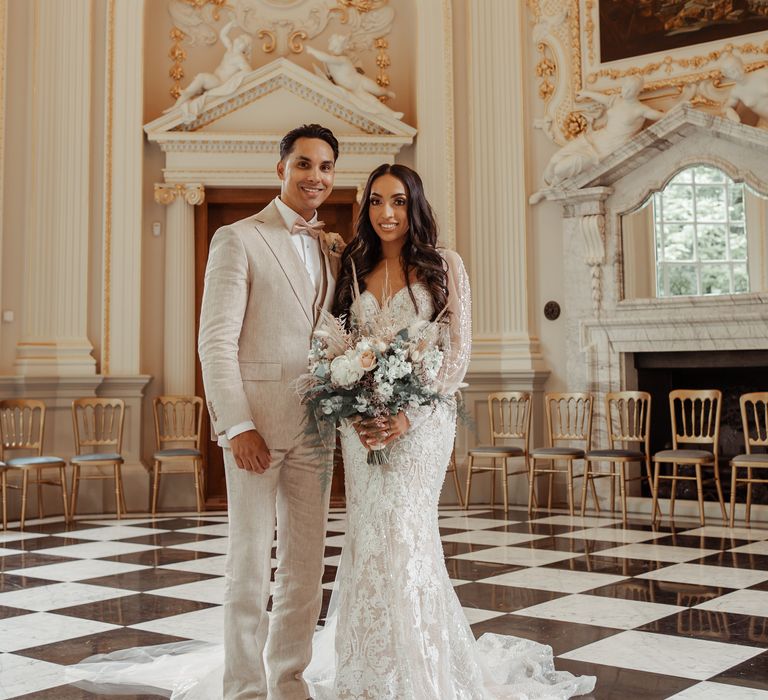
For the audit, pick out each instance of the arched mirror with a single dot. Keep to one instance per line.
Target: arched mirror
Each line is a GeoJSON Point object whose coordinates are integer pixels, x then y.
{"type": "Point", "coordinates": [703, 234]}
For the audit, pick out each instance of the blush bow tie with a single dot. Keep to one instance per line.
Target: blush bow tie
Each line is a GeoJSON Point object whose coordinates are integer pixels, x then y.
{"type": "Point", "coordinates": [313, 230]}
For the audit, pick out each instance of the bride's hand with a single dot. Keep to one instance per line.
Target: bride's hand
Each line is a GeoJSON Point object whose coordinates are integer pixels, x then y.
{"type": "Point", "coordinates": [382, 431]}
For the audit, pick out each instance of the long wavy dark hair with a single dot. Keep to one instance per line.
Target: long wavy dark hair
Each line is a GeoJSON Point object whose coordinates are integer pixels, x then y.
{"type": "Point", "coordinates": [419, 253]}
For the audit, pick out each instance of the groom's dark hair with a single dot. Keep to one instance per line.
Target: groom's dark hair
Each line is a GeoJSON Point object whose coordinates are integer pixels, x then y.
{"type": "Point", "coordinates": [308, 131]}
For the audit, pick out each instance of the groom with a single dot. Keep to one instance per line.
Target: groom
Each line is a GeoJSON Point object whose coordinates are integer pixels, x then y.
{"type": "Point", "coordinates": [266, 278]}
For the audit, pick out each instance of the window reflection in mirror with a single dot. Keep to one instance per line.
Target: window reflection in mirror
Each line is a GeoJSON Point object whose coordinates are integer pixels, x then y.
{"type": "Point", "coordinates": [702, 235]}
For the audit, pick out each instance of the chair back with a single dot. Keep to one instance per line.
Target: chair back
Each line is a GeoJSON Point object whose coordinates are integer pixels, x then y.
{"type": "Point", "coordinates": [695, 415]}
{"type": "Point", "coordinates": [178, 421]}
{"type": "Point", "coordinates": [510, 416]}
{"type": "Point", "coordinates": [98, 424]}
{"type": "Point", "coordinates": [569, 417]}
{"type": "Point", "coordinates": [628, 418]}
{"type": "Point", "coordinates": [754, 419]}
{"type": "Point", "coordinates": [22, 426]}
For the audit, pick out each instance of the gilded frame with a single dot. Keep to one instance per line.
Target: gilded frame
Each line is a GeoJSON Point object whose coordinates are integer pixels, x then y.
{"type": "Point", "coordinates": [662, 70]}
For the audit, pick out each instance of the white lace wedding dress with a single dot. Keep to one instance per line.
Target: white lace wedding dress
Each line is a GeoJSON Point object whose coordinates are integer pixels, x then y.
{"type": "Point", "coordinates": [395, 628]}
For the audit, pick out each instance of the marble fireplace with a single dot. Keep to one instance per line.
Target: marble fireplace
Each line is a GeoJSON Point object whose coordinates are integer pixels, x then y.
{"type": "Point", "coordinates": [609, 328]}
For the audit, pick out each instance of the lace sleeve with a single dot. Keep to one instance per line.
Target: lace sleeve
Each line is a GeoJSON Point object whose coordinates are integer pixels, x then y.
{"type": "Point", "coordinates": [459, 345]}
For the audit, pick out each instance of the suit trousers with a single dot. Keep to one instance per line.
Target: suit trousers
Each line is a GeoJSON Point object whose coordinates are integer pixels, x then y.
{"type": "Point", "coordinates": [291, 492]}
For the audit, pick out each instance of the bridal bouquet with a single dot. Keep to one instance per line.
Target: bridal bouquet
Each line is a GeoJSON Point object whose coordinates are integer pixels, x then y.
{"type": "Point", "coordinates": [374, 370]}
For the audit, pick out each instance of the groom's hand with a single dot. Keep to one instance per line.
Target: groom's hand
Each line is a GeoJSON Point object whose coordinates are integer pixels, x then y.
{"type": "Point", "coordinates": [250, 452]}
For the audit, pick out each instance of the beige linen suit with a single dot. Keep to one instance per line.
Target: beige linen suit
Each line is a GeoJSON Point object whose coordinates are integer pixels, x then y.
{"type": "Point", "coordinates": [259, 309]}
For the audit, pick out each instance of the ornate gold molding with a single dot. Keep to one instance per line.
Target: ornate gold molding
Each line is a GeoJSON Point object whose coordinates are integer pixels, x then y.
{"type": "Point", "coordinates": [176, 53]}
{"type": "Point", "coordinates": [363, 6]}
{"type": "Point", "coordinates": [166, 193]}
{"type": "Point", "coordinates": [383, 62]}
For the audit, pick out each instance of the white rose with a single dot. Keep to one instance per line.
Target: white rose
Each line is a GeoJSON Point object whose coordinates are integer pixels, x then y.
{"type": "Point", "coordinates": [345, 373]}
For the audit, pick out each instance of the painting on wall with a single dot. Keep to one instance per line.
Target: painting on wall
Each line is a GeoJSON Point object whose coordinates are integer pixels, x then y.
{"type": "Point", "coordinates": [631, 28]}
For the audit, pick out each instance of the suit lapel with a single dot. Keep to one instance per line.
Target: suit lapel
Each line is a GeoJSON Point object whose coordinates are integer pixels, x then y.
{"type": "Point", "coordinates": [272, 229]}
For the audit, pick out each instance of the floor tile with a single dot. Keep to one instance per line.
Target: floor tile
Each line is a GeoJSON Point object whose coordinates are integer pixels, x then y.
{"type": "Point", "coordinates": [491, 537]}
{"type": "Point", "coordinates": [609, 534]}
{"type": "Point", "coordinates": [577, 520]}
{"type": "Point", "coordinates": [214, 565]}
{"type": "Point", "coordinates": [753, 548]}
{"type": "Point", "coordinates": [469, 523]}
{"type": "Point", "coordinates": [112, 532]}
{"type": "Point", "coordinates": [215, 546]}
{"type": "Point", "coordinates": [744, 602]}
{"type": "Point", "coordinates": [27, 560]}
{"type": "Point", "coordinates": [561, 636]}
{"type": "Point", "coordinates": [712, 625]}
{"type": "Point", "coordinates": [697, 659]}
{"type": "Point", "coordinates": [517, 556]}
{"type": "Point", "coordinates": [749, 674]}
{"type": "Point", "coordinates": [216, 529]}
{"type": "Point", "coordinates": [20, 675]}
{"type": "Point", "coordinates": [712, 575]}
{"type": "Point", "coordinates": [742, 533]}
{"type": "Point", "coordinates": [71, 692]}
{"type": "Point", "coordinates": [655, 552]}
{"type": "Point", "coordinates": [667, 592]}
{"type": "Point", "coordinates": [133, 609]}
{"type": "Point", "coordinates": [94, 550]}
{"type": "Point", "coordinates": [148, 579]}
{"type": "Point", "coordinates": [18, 536]}
{"type": "Point", "coordinates": [557, 580]}
{"type": "Point", "coordinates": [206, 625]}
{"type": "Point", "coordinates": [475, 615]}
{"type": "Point", "coordinates": [208, 591]}
{"type": "Point", "coordinates": [473, 594]}
{"type": "Point", "coordinates": [473, 570]}
{"type": "Point", "coordinates": [597, 610]}
{"type": "Point", "coordinates": [607, 565]}
{"type": "Point", "coordinates": [58, 595]}
{"type": "Point", "coordinates": [71, 651]}
{"type": "Point", "coordinates": [720, 691]}
{"type": "Point", "coordinates": [622, 683]}
{"type": "Point", "coordinates": [738, 560]}
{"type": "Point", "coordinates": [77, 570]}
{"type": "Point", "coordinates": [24, 631]}
{"type": "Point", "coordinates": [160, 557]}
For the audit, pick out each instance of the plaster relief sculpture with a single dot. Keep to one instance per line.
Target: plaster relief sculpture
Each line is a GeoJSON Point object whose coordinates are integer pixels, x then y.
{"type": "Point", "coordinates": [749, 89]}
{"type": "Point", "coordinates": [340, 70]}
{"type": "Point", "coordinates": [224, 80]}
{"type": "Point", "coordinates": [624, 117]}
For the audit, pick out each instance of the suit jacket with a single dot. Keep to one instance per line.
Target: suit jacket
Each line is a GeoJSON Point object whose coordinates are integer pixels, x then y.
{"type": "Point", "coordinates": [258, 313]}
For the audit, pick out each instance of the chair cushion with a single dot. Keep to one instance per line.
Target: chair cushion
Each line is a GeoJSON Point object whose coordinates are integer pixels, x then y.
{"type": "Point", "coordinates": [97, 457]}
{"type": "Point", "coordinates": [752, 459]}
{"type": "Point", "coordinates": [497, 451]}
{"type": "Point", "coordinates": [34, 461]}
{"type": "Point", "coordinates": [177, 452]}
{"type": "Point", "coordinates": [557, 452]}
{"type": "Point", "coordinates": [617, 454]}
{"type": "Point", "coordinates": [683, 456]}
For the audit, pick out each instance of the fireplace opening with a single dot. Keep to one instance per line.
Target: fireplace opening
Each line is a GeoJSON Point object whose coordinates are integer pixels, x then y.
{"type": "Point", "coordinates": [733, 372]}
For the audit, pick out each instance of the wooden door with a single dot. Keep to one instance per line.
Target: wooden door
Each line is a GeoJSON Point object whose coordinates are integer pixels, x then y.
{"type": "Point", "coordinates": [225, 206]}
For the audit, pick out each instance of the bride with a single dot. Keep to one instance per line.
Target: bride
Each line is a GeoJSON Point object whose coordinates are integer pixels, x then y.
{"type": "Point", "coordinates": [395, 628]}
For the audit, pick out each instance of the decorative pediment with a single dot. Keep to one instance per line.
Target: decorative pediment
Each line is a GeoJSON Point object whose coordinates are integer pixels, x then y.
{"type": "Point", "coordinates": [697, 135]}
{"type": "Point", "coordinates": [248, 122]}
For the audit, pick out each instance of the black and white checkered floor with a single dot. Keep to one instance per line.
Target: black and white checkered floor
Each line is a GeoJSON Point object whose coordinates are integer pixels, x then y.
{"type": "Point", "coordinates": [677, 612]}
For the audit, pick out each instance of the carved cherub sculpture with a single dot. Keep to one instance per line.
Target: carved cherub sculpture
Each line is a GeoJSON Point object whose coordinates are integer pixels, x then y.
{"type": "Point", "coordinates": [342, 72]}
{"type": "Point", "coordinates": [749, 89]}
{"type": "Point", "coordinates": [624, 117]}
{"type": "Point", "coordinates": [234, 61]}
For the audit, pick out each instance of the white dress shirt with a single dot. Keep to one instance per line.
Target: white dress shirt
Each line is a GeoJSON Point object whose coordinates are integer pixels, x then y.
{"type": "Point", "coordinates": [308, 250]}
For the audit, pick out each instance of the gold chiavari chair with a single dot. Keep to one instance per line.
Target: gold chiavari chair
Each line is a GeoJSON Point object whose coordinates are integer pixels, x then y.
{"type": "Point", "coordinates": [178, 436]}
{"type": "Point", "coordinates": [452, 469]}
{"type": "Point", "coordinates": [22, 430]}
{"type": "Point", "coordinates": [98, 425]}
{"type": "Point", "coordinates": [509, 413]}
{"type": "Point", "coordinates": [628, 420]}
{"type": "Point", "coordinates": [695, 416]}
{"type": "Point", "coordinates": [754, 421]}
{"type": "Point", "coordinates": [569, 420]}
